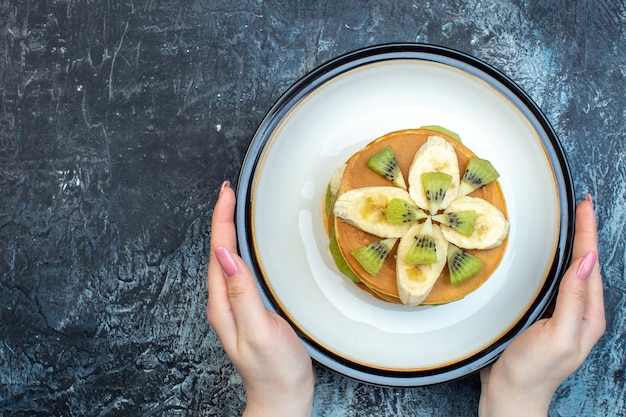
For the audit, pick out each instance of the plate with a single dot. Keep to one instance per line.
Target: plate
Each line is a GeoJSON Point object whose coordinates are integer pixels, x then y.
{"type": "Point", "coordinates": [334, 111]}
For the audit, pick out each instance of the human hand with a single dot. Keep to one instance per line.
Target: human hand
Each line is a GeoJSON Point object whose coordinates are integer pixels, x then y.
{"type": "Point", "coordinates": [274, 365]}
{"type": "Point", "coordinates": [529, 371]}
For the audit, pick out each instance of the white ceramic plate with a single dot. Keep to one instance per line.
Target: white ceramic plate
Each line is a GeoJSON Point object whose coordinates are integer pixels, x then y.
{"type": "Point", "coordinates": [336, 110]}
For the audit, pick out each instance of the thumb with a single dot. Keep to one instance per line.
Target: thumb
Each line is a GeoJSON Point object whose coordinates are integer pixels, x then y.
{"type": "Point", "coordinates": [243, 293]}
{"type": "Point", "coordinates": [572, 298]}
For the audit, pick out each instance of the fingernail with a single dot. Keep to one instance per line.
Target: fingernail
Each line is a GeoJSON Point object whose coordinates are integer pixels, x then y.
{"type": "Point", "coordinates": [586, 265]}
{"type": "Point", "coordinates": [226, 261]}
{"type": "Point", "coordinates": [225, 184]}
{"type": "Point", "coordinates": [588, 198]}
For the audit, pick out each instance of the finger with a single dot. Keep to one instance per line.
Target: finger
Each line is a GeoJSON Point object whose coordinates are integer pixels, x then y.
{"type": "Point", "coordinates": [223, 231]}
{"type": "Point", "coordinates": [245, 300]}
{"type": "Point", "coordinates": [222, 234]}
{"type": "Point", "coordinates": [571, 301]}
{"type": "Point", "coordinates": [585, 238]}
{"type": "Point", "coordinates": [594, 323]}
{"type": "Point", "coordinates": [572, 297]}
{"type": "Point", "coordinates": [578, 303]}
{"type": "Point", "coordinates": [219, 312]}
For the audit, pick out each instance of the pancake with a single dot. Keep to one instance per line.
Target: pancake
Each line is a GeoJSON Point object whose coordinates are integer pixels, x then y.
{"type": "Point", "coordinates": [405, 144]}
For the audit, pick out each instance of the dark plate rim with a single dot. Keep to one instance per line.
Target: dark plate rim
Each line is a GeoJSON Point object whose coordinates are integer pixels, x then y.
{"type": "Point", "coordinates": [496, 79]}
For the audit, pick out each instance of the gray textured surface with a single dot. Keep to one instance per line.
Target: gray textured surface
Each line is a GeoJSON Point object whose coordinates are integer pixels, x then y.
{"type": "Point", "coordinates": [119, 121]}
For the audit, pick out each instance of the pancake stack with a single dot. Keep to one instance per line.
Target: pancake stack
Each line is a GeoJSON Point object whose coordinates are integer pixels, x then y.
{"type": "Point", "coordinates": [357, 174]}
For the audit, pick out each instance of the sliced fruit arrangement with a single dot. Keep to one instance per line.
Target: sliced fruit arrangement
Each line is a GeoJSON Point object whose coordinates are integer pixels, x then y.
{"type": "Point", "coordinates": [431, 214]}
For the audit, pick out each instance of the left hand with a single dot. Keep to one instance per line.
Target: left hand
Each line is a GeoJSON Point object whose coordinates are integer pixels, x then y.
{"type": "Point", "coordinates": [274, 365]}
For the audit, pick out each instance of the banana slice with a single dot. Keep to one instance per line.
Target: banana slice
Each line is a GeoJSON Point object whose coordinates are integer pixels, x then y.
{"type": "Point", "coordinates": [365, 208]}
{"type": "Point", "coordinates": [490, 225]}
{"type": "Point", "coordinates": [415, 281]}
{"type": "Point", "coordinates": [436, 155]}
{"type": "Point", "coordinates": [335, 180]}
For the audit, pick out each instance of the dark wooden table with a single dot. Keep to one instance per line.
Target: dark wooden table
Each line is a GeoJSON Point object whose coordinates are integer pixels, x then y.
{"type": "Point", "coordinates": [120, 120]}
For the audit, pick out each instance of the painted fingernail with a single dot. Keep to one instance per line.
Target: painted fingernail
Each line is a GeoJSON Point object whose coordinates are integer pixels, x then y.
{"type": "Point", "coordinates": [226, 261]}
{"type": "Point", "coordinates": [586, 265]}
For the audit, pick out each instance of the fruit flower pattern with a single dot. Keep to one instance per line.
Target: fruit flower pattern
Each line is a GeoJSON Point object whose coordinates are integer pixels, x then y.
{"type": "Point", "coordinates": [434, 220]}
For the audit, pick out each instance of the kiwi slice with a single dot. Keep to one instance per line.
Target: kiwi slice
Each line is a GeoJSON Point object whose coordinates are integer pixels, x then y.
{"type": "Point", "coordinates": [461, 221]}
{"type": "Point", "coordinates": [479, 172]}
{"type": "Point", "coordinates": [462, 265]}
{"type": "Point", "coordinates": [400, 211]}
{"type": "Point", "coordinates": [372, 256]}
{"type": "Point", "coordinates": [340, 261]}
{"type": "Point", "coordinates": [384, 163]}
{"type": "Point", "coordinates": [436, 186]}
{"type": "Point", "coordinates": [442, 129]}
{"type": "Point", "coordinates": [424, 249]}
{"type": "Point", "coordinates": [328, 201]}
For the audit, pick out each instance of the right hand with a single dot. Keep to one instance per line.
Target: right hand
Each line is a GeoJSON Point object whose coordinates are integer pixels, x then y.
{"type": "Point", "coordinates": [529, 371]}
